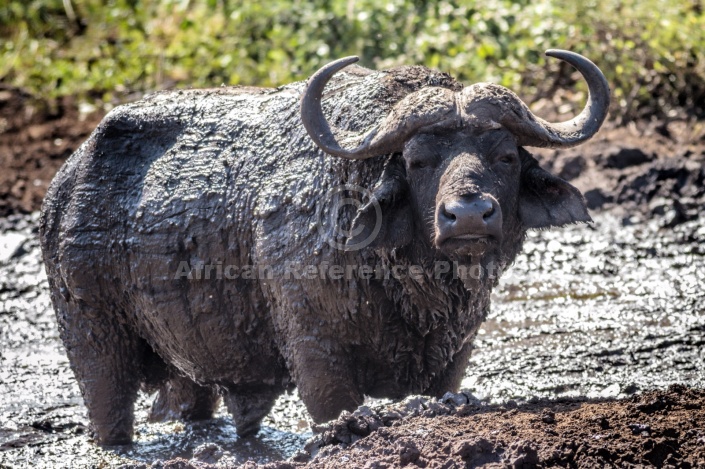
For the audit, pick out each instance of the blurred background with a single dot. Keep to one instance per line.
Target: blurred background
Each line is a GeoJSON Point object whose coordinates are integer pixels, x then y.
{"type": "Point", "coordinates": [103, 52]}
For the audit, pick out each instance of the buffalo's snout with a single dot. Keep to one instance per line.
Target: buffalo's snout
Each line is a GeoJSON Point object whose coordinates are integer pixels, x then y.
{"type": "Point", "coordinates": [471, 217]}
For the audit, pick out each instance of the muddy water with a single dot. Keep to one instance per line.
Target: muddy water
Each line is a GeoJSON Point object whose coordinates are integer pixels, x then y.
{"type": "Point", "coordinates": [603, 311]}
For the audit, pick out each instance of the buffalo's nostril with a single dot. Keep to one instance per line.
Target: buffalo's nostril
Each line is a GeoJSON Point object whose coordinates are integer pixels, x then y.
{"type": "Point", "coordinates": [447, 214]}
{"type": "Point", "coordinates": [488, 213]}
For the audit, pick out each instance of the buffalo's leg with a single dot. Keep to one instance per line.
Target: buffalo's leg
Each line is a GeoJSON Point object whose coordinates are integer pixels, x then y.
{"type": "Point", "coordinates": [320, 367]}
{"type": "Point", "coordinates": [180, 398]}
{"type": "Point", "coordinates": [324, 381]}
{"type": "Point", "coordinates": [105, 357]}
{"type": "Point", "coordinates": [249, 408]}
{"type": "Point", "coordinates": [450, 378]}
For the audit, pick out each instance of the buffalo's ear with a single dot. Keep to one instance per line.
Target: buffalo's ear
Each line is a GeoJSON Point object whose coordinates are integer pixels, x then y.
{"type": "Point", "coordinates": [386, 219]}
{"type": "Point", "coordinates": [546, 200]}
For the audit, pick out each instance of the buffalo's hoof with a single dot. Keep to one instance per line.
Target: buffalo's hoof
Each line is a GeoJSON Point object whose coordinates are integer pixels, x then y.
{"type": "Point", "coordinates": [249, 429]}
{"type": "Point", "coordinates": [120, 440]}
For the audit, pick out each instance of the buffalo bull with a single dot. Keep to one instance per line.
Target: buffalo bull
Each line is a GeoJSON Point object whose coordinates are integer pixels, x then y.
{"type": "Point", "coordinates": [238, 242]}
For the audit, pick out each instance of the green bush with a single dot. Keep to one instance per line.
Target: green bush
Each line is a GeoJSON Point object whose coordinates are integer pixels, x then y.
{"type": "Point", "coordinates": [652, 51]}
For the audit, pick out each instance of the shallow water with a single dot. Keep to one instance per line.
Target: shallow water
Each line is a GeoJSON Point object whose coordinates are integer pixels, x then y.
{"type": "Point", "coordinates": [601, 311]}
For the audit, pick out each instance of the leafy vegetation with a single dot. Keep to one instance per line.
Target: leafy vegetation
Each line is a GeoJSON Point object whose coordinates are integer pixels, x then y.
{"type": "Point", "coordinates": [652, 51]}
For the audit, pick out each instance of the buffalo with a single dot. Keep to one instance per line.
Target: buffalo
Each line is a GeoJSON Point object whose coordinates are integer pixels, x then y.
{"type": "Point", "coordinates": [340, 235]}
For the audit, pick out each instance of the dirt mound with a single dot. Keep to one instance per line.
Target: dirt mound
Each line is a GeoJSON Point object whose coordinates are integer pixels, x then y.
{"type": "Point", "coordinates": [655, 168]}
{"type": "Point", "coordinates": [36, 137]}
{"type": "Point", "coordinates": [655, 429]}
{"type": "Point", "coordinates": [658, 428]}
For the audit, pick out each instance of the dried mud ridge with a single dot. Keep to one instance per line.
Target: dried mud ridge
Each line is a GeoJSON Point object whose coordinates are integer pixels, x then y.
{"type": "Point", "coordinates": [658, 428]}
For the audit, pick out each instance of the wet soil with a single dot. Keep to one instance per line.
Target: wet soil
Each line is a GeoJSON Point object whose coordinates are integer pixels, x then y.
{"type": "Point", "coordinates": [654, 429]}
{"type": "Point", "coordinates": [36, 137]}
{"type": "Point", "coordinates": [576, 365]}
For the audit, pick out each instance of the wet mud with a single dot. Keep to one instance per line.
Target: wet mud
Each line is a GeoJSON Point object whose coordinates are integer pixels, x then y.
{"type": "Point", "coordinates": [600, 312]}
{"type": "Point", "coordinates": [590, 322]}
{"type": "Point", "coordinates": [654, 429]}
{"type": "Point", "coordinates": [36, 137]}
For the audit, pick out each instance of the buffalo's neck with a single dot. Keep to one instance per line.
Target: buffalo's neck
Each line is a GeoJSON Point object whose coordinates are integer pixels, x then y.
{"type": "Point", "coordinates": [431, 315]}
{"type": "Point", "coordinates": [431, 294]}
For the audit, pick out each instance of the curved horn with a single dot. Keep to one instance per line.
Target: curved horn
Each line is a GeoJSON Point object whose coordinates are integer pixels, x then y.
{"type": "Point", "coordinates": [425, 107]}
{"type": "Point", "coordinates": [535, 132]}
{"type": "Point", "coordinates": [315, 122]}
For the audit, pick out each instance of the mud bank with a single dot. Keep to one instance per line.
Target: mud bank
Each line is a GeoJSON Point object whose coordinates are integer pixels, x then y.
{"type": "Point", "coordinates": [36, 137]}
{"type": "Point", "coordinates": [657, 428]}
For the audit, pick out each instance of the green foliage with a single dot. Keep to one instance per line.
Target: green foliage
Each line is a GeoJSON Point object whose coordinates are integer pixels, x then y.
{"type": "Point", "coordinates": [652, 51]}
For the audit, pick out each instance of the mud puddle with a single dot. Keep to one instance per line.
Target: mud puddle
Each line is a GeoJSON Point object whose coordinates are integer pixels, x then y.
{"type": "Point", "coordinates": [601, 311]}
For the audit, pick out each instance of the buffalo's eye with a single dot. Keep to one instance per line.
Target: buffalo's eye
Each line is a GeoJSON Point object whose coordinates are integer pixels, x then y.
{"type": "Point", "coordinates": [419, 164]}
{"type": "Point", "coordinates": [507, 159]}
{"type": "Point", "coordinates": [422, 162]}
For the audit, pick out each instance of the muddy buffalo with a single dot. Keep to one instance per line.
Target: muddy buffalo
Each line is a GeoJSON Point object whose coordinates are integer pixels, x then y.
{"type": "Point", "coordinates": [238, 242]}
